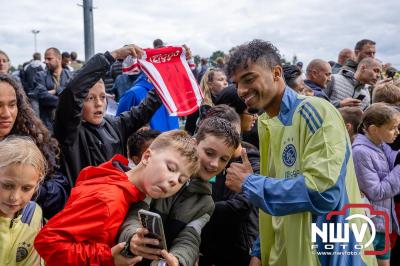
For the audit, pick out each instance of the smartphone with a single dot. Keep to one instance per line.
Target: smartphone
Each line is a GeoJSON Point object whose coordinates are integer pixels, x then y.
{"type": "Point", "coordinates": [360, 97]}
{"type": "Point", "coordinates": [153, 223]}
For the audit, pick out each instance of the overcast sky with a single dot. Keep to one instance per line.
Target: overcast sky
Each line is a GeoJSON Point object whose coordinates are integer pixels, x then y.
{"type": "Point", "coordinates": [308, 28]}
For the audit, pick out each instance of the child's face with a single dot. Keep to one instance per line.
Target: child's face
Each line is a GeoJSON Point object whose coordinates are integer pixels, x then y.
{"type": "Point", "coordinates": [214, 155]}
{"type": "Point", "coordinates": [17, 185]}
{"type": "Point", "coordinates": [389, 131]}
{"type": "Point", "coordinates": [247, 121]}
{"type": "Point", "coordinates": [165, 172]}
{"type": "Point", "coordinates": [219, 82]}
{"type": "Point", "coordinates": [94, 105]}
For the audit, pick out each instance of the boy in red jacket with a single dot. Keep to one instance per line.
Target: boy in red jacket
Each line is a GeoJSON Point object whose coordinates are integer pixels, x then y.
{"type": "Point", "coordinates": [84, 232]}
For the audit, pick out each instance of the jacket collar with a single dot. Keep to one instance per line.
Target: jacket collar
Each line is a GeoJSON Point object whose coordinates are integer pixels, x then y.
{"type": "Point", "coordinates": [312, 85]}
{"type": "Point", "coordinates": [363, 140]}
{"type": "Point", "coordinates": [198, 185]}
{"type": "Point", "coordinates": [350, 65]}
{"type": "Point", "coordinates": [350, 76]}
{"type": "Point", "coordinates": [289, 103]}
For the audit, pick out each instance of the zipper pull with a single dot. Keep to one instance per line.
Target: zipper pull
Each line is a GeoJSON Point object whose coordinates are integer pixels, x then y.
{"type": "Point", "coordinates": [11, 223]}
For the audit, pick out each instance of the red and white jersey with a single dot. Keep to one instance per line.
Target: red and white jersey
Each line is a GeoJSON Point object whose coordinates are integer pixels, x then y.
{"type": "Point", "coordinates": [168, 70]}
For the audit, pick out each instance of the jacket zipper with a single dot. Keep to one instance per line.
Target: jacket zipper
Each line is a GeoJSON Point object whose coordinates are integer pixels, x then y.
{"type": "Point", "coordinates": [11, 239]}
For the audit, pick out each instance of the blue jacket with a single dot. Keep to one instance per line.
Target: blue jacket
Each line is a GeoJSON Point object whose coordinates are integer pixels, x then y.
{"type": "Point", "coordinates": [318, 91]}
{"type": "Point", "coordinates": [161, 120]}
{"type": "Point", "coordinates": [53, 194]}
{"type": "Point", "coordinates": [44, 82]}
{"type": "Point", "coordinates": [123, 83]}
{"type": "Point", "coordinates": [378, 177]}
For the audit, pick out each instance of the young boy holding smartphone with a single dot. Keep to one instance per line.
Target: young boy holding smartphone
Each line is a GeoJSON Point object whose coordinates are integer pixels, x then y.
{"type": "Point", "coordinates": [185, 214]}
{"type": "Point", "coordinates": [84, 232]}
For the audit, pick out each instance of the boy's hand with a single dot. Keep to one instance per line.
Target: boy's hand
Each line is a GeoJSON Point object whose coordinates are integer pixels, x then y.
{"type": "Point", "coordinates": [123, 52]}
{"type": "Point", "coordinates": [237, 172]}
{"type": "Point", "coordinates": [349, 102]}
{"type": "Point", "coordinates": [139, 248]}
{"type": "Point", "coordinates": [170, 259]}
{"type": "Point", "coordinates": [254, 261]}
{"type": "Point", "coordinates": [188, 52]}
{"type": "Point", "coordinates": [120, 260]}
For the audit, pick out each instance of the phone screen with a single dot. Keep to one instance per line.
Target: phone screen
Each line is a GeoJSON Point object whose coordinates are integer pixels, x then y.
{"type": "Point", "coordinates": [360, 97]}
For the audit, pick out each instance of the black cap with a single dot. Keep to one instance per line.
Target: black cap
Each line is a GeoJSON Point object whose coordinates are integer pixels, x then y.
{"type": "Point", "coordinates": [65, 55]}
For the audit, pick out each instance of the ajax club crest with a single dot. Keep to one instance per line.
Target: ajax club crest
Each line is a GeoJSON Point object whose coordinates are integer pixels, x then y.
{"type": "Point", "coordinates": [289, 155]}
{"type": "Point", "coordinates": [22, 251]}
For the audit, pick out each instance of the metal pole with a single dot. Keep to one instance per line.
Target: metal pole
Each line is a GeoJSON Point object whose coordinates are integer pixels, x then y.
{"type": "Point", "coordinates": [35, 32]}
{"type": "Point", "coordinates": [88, 28]}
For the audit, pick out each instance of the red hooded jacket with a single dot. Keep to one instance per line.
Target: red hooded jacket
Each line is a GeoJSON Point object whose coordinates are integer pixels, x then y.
{"type": "Point", "coordinates": [84, 232]}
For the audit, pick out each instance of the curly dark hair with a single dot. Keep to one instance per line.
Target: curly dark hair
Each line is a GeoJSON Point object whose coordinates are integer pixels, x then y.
{"type": "Point", "coordinates": [221, 128]}
{"type": "Point", "coordinates": [28, 124]}
{"type": "Point", "coordinates": [138, 139]}
{"type": "Point", "coordinates": [291, 73]}
{"type": "Point", "coordinates": [221, 111]}
{"type": "Point", "coordinates": [225, 112]}
{"type": "Point", "coordinates": [255, 51]}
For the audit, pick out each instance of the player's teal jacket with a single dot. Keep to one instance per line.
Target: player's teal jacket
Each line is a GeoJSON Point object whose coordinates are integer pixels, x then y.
{"type": "Point", "coordinates": [307, 171]}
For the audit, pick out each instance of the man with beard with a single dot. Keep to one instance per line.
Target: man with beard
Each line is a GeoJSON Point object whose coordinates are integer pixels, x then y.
{"type": "Point", "coordinates": [49, 84]}
{"type": "Point", "coordinates": [348, 89]}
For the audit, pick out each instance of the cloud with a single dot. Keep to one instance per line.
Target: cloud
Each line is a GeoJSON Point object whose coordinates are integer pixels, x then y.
{"type": "Point", "coordinates": [310, 28]}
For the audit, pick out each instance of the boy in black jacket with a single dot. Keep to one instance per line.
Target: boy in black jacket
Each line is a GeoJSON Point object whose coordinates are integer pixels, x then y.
{"type": "Point", "coordinates": [86, 135]}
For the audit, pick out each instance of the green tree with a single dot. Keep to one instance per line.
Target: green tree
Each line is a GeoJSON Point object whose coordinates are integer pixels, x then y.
{"type": "Point", "coordinates": [214, 56]}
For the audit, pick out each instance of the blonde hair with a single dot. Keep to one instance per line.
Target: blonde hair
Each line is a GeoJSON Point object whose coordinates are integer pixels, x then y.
{"type": "Point", "coordinates": [388, 93]}
{"type": "Point", "coordinates": [18, 150]}
{"type": "Point", "coordinates": [207, 78]}
{"type": "Point", "coordinates": [180, 141]}
{"type": "Point", "coordinates": [6, 55]}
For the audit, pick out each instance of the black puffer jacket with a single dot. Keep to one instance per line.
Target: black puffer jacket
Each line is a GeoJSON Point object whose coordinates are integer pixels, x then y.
{"type": "Point", "coordinates": [83, 144]}
{"type": "Point", "coordinates": [229, 235]}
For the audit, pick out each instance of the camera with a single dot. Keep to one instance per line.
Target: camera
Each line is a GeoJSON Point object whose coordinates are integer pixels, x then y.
{"type": "Point", "coordinates": [391, 72]}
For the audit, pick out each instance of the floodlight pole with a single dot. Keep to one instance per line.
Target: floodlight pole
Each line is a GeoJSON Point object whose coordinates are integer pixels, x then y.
{"type": "Point", "coordinates": [88, 28]}
{"type": "Point", "coordinates": [35, 32]}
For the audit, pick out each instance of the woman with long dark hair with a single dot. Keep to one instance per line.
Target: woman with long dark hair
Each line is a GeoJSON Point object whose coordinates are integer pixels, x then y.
{"type": "Point", "coordinates": [18, 118]}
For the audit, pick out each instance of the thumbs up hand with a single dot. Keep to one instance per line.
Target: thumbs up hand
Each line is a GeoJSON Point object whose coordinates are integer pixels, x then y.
{"type": "Point", "coordinates": [237, 173]}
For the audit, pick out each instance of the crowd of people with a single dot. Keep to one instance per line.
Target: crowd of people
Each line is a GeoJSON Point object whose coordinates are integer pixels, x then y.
{"type": "Point", "coordinates": [271, 151]}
